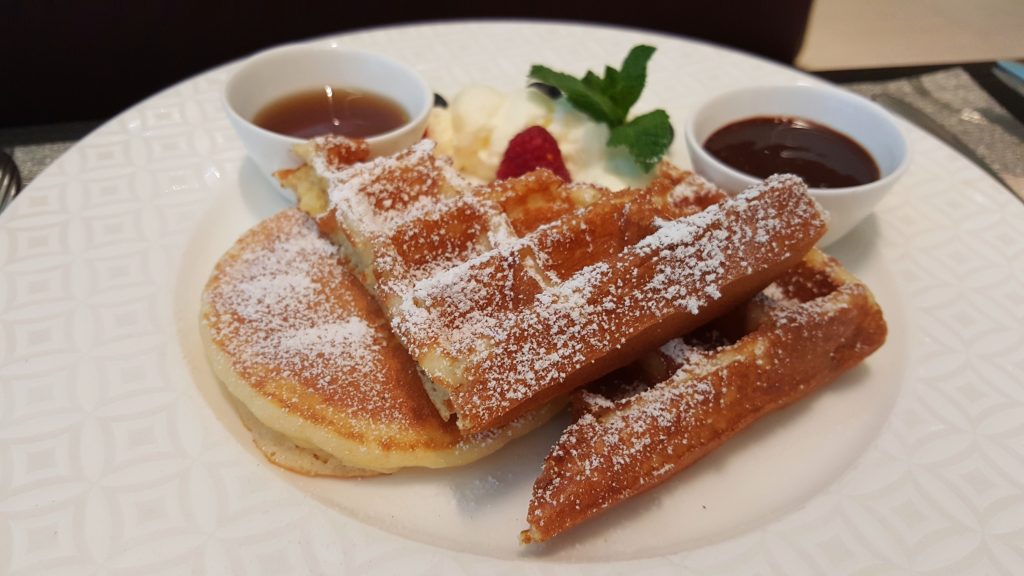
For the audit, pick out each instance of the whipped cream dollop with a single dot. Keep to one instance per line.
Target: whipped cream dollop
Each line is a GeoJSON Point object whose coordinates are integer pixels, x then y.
{"type": "Point", "coordinates": [480, 121]}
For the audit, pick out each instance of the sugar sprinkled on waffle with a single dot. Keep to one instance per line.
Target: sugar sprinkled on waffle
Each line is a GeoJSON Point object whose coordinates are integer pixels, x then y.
{"type": "Point", "coordinates": [637, 427]}
{"type": "Point", "coordinates": [512, 293]}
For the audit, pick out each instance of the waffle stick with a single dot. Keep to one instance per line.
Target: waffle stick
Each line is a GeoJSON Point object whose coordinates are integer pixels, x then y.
{"type": "Point", "coordinates": [511, 294]}
{"type": "Point", "coordinates": [643, 424]}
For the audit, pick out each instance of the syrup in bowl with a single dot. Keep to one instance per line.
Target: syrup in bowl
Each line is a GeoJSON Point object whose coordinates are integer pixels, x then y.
{"type": "Point", "coordinates": [331, 110]}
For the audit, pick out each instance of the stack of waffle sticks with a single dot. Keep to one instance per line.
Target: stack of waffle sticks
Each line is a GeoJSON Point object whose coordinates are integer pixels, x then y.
{"type": "Point", "coordinates": [671, 317]}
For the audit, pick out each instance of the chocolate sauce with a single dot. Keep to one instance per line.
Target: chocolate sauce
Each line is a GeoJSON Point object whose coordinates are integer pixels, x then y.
{"type": "Point", "coordinates": [821, 156]}
{"type": "Point", "coordinates": [331, 110]}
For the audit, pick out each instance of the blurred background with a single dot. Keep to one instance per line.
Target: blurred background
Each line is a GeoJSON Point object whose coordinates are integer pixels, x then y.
{"type": "Point", "coordinates": [86, 61]}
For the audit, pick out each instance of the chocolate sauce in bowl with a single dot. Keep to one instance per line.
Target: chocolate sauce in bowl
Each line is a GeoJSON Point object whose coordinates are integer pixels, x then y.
{"type": "Point", "coordinates": [823, 157]}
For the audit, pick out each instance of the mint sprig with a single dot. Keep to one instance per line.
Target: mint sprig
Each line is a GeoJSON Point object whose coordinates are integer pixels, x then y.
{"type": "Point", "coordinates": [608, 99]}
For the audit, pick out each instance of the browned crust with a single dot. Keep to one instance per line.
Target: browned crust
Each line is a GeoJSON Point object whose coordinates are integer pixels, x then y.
{"type": "Point", "coordinates": [513, 294]}
{"type": "Point", "coordinates": [796, 350]}
{"type": "Point", "coordinates": [296, 339]}
{"type": "Point", "coordinates": [634, 328]}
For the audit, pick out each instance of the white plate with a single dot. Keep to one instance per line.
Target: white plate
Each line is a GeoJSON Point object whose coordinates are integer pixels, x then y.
{"type": "Point", "coordinates": [120, 454]}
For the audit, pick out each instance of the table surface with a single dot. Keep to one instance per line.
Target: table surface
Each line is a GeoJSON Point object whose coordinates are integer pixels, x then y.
{"type": "Point", "coordinates": [107, 289]}
{"type": "Point", "coordinates": [885, 33]}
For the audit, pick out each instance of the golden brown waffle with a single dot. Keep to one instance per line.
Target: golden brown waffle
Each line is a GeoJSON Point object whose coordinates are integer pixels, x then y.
{"type": "Point", "coordinates": [322, 383]}
{"type": "Point", "coordinates": [511, 294]}
{"type": "Point", "coordinates": [309, 188]}
{"type": "Point", "coordinates": [643, 424]}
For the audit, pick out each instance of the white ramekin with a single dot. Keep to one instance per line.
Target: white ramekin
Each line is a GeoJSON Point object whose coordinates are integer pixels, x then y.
{"type": "Point", "coordinates": [277, 72]}
{"type": "Point", "coordinates": [859, 118]}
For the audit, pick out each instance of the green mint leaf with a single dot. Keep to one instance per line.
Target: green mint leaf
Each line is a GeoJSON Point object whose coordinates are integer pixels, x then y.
{"type": "Point", "coordinates": [586, 99]}
{"type": "Point", "coordinates": [630, 81]}
{"type": "Point", "coordinates": [594, 82]}
{"type": "Point", "coordinates": [646, 137]}
{"type": "Point", "coordinates": [610, 85]}
{"type": "Point", "coordinates": [608, 99]}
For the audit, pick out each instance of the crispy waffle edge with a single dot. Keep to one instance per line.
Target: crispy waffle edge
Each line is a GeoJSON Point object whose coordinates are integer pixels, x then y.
{"type": "Point", "coordinates": [488, 394]}
{"type": "Point", "coordinates": [704, 402]}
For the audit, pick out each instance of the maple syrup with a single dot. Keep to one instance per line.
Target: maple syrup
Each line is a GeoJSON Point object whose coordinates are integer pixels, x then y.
{"type": "Point", "coordinates": [331, 110]}
{"type": "Point", "coordinates": [823, 157]}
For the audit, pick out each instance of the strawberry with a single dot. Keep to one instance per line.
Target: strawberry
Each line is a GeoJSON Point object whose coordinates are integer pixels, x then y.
{"type": "Point", "coordinates": [529, 150]}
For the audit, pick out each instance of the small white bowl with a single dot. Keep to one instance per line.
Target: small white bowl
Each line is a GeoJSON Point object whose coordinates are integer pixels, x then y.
{"type": "Point", "coordinates": [858, 118]}
{"type": "Point", "coordinates": [277, 72]}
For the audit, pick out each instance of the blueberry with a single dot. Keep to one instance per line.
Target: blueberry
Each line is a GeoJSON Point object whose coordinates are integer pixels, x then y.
{"type": "Point", "coordinates": [547, 90]}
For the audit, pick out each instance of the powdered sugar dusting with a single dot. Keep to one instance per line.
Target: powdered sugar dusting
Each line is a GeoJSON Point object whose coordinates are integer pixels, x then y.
{"type": "Point", "coordinates": [680, 352]}
{"type": "Point", "coordinates": [281, 306]}
{"type": "Point", "coordinates": [352, 334]}
{"type": "Point", "coordinates": [636, 435]}
{"type": "Point", "coordinates": [365, 191]}
{"type": "Point", "coordinates": [624, 443]}
{"type": "Point", "coordinates": [683, 266]}
{"type": "Point", "coordinates": [516, 315]}
{"type": "Point", "coordinates": [690, 190]}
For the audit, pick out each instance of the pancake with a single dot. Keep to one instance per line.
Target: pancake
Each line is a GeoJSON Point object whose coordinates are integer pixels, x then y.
{"type": "Point", "coordinates": [323, 384]}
